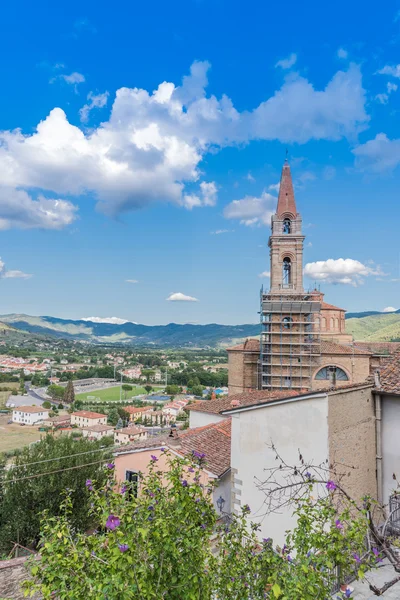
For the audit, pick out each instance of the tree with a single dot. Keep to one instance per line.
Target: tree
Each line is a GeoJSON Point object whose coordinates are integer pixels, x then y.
{"type": "Point", "coordinates": [69, 394]}
{"type": "Point", "coordinates": [113, 416]}
{"type": "Point", "coordinates": [172, 390]}
{"type": "Point", "coordinates": [127, 388]}
{"type": "Point", "coordinates": [197, 390]}
{"type": "Point", "coordinates": [37, 481]}
{"type": "Point", "coordinates": [56, 392]}
{"type": "Point", "coordinates": [148, 388]}
{"type": "Point", "coordinates": [138, 553]}
{"type": "Point", "coordinates": [46, 404]}
{"type": "Point", "coordinates": [22, 382]}
{"type": "Point", "coordinates": [148, 373]}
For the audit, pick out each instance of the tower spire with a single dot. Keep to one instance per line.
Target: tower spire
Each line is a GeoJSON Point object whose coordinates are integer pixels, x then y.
{"type": "Point", "coordinates": [286, 201]}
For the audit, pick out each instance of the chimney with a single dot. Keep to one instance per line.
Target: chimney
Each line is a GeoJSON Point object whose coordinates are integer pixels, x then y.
{"type": "Point", "coordinates": [377, 379]}
{"type": "Point", "coordinates": [235, 403]}
{"type": "Point", "coordinates": [173, 439]}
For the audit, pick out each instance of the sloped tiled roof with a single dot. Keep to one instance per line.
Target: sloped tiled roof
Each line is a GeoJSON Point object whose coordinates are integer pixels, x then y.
{"type": "Point", "coordinates": [286, 201]}
{"type": "Point", "coordinates": [381, 348]}
{"type": "Point", "coordinates": [214, 441]}
{"type": "Point", "coordinates": [390, 375]}
{"type": "Point", "coordinates": [31, 409]}
{"type": "Point", "coordinates": [99, 428]}
{"type": "Point", "coordinates": [250, 345]}
{"type": "Point", "coordinates": [88, 414]}
{"type": "Point", "coordinates": [218, 405]}
{"type": "Point", "coordinates": [334, 348]}
{"type": "Point", "coordinates": [326, 306]}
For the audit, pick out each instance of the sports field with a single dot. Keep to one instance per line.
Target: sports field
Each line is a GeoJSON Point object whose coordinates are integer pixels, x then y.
{"type": "Point", "coordinates": [112, 393]}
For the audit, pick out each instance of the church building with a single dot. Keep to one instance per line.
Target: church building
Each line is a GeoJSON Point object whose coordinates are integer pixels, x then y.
{"type": "Point", "coordinates": [303, 343]}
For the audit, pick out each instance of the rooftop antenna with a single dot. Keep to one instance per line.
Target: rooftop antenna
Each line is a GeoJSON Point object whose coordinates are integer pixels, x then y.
{"type": "Point", "coordinates": [287, 152]}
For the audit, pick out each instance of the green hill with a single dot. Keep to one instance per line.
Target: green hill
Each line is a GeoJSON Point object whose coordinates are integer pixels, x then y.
{"type": "Point", "coordinates": [375, 328]}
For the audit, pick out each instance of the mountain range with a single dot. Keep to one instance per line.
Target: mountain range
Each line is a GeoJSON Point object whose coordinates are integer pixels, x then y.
{"type": "Point", "coordinates": [364, 326]}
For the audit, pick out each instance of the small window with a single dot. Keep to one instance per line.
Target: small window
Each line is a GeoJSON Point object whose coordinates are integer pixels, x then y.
{"type": "Point", "coordinates": [288, 382]}
{"type": "Point", "coordinates": [287, 322]}
{"type": "Point", "coordinates": [132, 479]}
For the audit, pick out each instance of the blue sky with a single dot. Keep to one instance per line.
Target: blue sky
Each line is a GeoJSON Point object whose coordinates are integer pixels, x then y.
{"type": "Point", "coordinates": [144, 142]}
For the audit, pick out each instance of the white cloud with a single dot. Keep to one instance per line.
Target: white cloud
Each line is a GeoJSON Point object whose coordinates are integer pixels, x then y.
{"type": "Point", "coordinates": [251, 210]}
{"type": "Point", "coordinates": [250, 177]}
{"type": "Point", "coordinates": [74, 79]}
{"type": "Point", "coordinates": [6, 274]}
{"type": "Point", "coordinates": [219, 231]}
{"type": "Point", "coordinates": [342, 53]}
{"type": "Point", "coordinates": [151, 147]}
{"type": "Point", "coordinates": [18, 209]}
{"type": "Point", "coordinates": [265, 274]}
{"type": "Point", "coordinates": [112, 320]}
{"type": "Point", "coordinates": [275, 186]}
{"type": "Point", "coordinates": [394, 71]}
{"type": "Point", "coordinates": [389, 309]}
{"type": "Point", "coordinates": [384, 98]}
{"type": "Point", "coordinates": [342, 270]}
{"type": "Point", "coordinates": [95, 101]}
{"type": "Point", "coordinates": [287, 63]}
{"type": "Point", "coordinates": [179, 297]}
{"type": "Point", "coordinates": [131, 281]}
{"type": "Point", "coordinates": [379, 154]}
{"type": "Point", "coordinates": [329, 172]}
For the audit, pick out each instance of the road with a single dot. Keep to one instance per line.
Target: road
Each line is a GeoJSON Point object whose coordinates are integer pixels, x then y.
{"type": "Point", "coordinates": [34, 393]}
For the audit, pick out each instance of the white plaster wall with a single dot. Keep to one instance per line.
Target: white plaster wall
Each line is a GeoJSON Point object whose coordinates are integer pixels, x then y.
{"type": "Point", "coordinates": [390, 444]}
{"type": "Point", "coordinates": [290, 426]}
{"type": "Point", "coordinates": [199, 419]}
{"type": "Point", "coordinates": [29, 418]}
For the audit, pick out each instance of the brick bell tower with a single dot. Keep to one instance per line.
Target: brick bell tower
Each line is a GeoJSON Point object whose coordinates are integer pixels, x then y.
{"type": "Point", "coordinates": [290, 345]}
{"type": "Point", "coordinates": [286, 240]}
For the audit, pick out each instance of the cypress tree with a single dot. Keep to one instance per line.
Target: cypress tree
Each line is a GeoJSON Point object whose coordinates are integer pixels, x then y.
{"type": "Point", "coordinates": [69, 394]}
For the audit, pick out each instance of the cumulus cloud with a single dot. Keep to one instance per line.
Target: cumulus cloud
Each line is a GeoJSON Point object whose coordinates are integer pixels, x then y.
{"type": "Point", "coordinates": [384, 98]}
{"type": "Point", "coordinates": [342, 270]}
{"type": "Point", "coordinates": [74, 79]}
{"type": "Point", "coordinates": [94, 101]}
{"type": "Point", "coordinates": [251, 210]}
{"type": "Point", "coordinates": [112, 320]}
{"type": "Point", "coordinates": [179, 297]}
{"type": "Point", "coordinates": [219, 231]}
{"type": "Point", "coordinates": [265, 274]}
{"type": "Point", "coordinates": [389, 309]}
{"type": "Point", "coordinates": [379, 154]}
{"type": "Point", "coordinates": [393, 71]}
{"type": "Point", "coordinates": [287, 63]}
{"type": "Point", "coordinates": [18, 209]}
{"type": "Point", "coordinates": [342, 53]}
{"type": "Point", "coordinates": [275, 187]}
{"type": "Point", "coordinates": [6, 274]}
{"type": "Point", "coordinates": [131, 281]}
{"type": "Point", "coordinates": [151, 147]}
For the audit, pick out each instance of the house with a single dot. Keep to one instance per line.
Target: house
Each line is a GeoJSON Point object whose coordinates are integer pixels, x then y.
{"type": "Point", "coordinates": [213, 440]}
{"type": "Point", "coordinates": [127, 435]}
{"type": "Point", "coordinates": [86, 418]}
{"type": "Point", "coordinates": [29, 415]}
{"type": "Point", "coordinates": [334, 427]}
{"type": "Point", "coordinates": [58, 421]}
{"type": "Point", "coordinates": [136, 412]}
{"type": "Point", "coordinates": [387, 403]}
{"type": "Point", "coordinates": [96, 432]}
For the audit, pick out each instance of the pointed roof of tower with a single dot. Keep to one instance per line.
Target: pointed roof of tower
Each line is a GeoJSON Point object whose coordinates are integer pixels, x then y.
{"type": "Point", "coordinates": [286, 201]}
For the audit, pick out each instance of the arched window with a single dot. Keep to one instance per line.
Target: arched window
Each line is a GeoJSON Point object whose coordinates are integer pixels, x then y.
{"type": "Point", "coordinates": [287, 226]}
{"type": "Point", "coordinates": [331, 373]}
{"type": "Point", "coordinates": [323, 323]}
{"type": "Point", "coordinates": [286, 272]}
{"type": "Point", "coordinates": [331, 323]}
{"type": "Point", "coordinates": [287, 322]}
{"type": "Point", "coordinates": [317, 323]}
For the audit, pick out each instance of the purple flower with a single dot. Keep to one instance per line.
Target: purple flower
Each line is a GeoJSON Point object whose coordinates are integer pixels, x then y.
{"type": "Point", "coordinates": [331, 486]}
{"type": "Point", "coordinates": [184, 483]}
{"type": "Point", "coordinates": [246, 508]}
{"type": "Point", "coordinates": [191, 470]}
{"type": "Point", "coordinates": [151, 494]}
{"type": "Point", "coordinates": [123, 547]}
{"type": "Point", "coordinates": [376, 553]}
{"type": "Point", "coordinates": [154, 458]}
{"type": "Point", "coordinates": [357, 558]}
{"type": "Point", "coordinates": [151, 507]}
{"type": "Point", "coordinates": [267, 540]}
{"type": "Point", "coordinates": [199, 455]}
{"type": "Point", "coordinates": [89, 484]}
{"type": "Point", "coordinates": [162, 449]}
{"type": "Point", "coordinates": [110, 466]}
{"type": "Point", "coordinates": [124, 489]}
{"type": "Point", "coordinates": [348, 593]}
{"type": "Point", "coordinates": [113, 522]}
{"type": "Point", "coordinates": [307, 475]}
{"type": "Point", "coordinates": [339, 524]}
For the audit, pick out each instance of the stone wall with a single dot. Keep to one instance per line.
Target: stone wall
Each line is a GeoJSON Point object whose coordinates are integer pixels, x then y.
{"type": "Point", "coordinates": [12, 574]}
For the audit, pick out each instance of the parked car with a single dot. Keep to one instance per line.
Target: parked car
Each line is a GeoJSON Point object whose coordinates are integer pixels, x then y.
{"type": "Point", "coordinates": [9, 422]}
{"type": "Point", "coordinates": [22, 424]}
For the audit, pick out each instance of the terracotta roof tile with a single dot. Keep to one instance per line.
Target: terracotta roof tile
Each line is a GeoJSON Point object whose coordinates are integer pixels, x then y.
{"type": "Point", "coordinates": [136, 409]}
{"type": "Point", "coordinates": [334, 348]}
{"type": "Point", "coordinates": [326, 306]}
{"type": "Point", "coordinates": [218, 405]}
{"type": "Point", "coordinates": [382, 348]}
{"type": "Point", "coordinates": [250, 345]}
{"type": "Point", "coordinates": [31, 409]}
{"type": "Point", "coordinates": [286, 201]}
{"type": "Point", "coordinates": [390, 375]}
{"type": "Point", "coordinates": [87, 414]}
{"type": "Point", "coordinates": [99, 428]}
{"type": "Point", "coordinates": [214, 441]}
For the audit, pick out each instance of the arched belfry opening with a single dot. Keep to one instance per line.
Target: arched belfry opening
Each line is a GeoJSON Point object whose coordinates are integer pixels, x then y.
{"type": "Point", "coordinates": [287, 225]}
{"type": "Point", "coordinates": [286, 272]}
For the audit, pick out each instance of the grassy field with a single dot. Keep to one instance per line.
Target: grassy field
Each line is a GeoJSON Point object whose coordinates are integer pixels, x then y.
{"type": "Point", "coordinates": [5, 395]}
{"type": "Point", "coordinates": [14, 436]}
{"type": "Point", "coordinates": [112, 393]}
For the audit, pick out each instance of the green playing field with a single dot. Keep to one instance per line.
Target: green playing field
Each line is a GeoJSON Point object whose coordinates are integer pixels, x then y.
{"type": "Point", "coordinates": [112, 393]}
